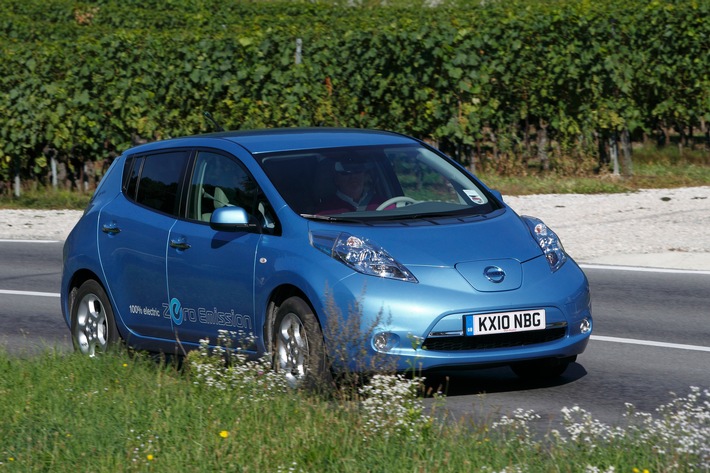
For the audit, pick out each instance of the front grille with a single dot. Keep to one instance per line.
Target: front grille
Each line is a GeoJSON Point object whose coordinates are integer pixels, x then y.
{"type": "Point", "coordinates": [497, 340]}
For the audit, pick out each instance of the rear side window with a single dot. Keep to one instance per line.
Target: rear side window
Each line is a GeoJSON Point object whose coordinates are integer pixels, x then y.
{"type": "Point", "coordinates": [154, 180]}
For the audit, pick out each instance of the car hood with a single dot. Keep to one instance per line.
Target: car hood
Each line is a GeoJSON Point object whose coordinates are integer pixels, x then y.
{"type": "Point", "coordinates": [448, 242]}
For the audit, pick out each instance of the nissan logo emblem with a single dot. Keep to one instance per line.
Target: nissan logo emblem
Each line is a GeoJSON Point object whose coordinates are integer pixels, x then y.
{"type": "Point", "coordinates": [494, 274]}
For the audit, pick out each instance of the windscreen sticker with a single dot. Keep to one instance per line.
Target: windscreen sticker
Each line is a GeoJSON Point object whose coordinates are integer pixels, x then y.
{"type": "Point", "coordinates": [475, 196]}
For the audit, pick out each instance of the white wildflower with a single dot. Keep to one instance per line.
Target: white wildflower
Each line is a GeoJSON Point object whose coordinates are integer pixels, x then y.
{"type": "Point", "coordinates": [392, 406]}
{"type": "Point", "coordinates": [223, 367]}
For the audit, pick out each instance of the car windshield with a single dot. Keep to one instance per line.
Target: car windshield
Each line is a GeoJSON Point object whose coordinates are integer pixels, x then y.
{"type": "Point", "coordinates": [374, 182]}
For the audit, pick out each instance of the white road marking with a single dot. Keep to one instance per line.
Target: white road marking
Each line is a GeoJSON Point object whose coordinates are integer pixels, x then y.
{"type": "Point", "coordinates": [29, 241]}
{"type": "Point", "coordinates": [633, 341]}
{"type": "Point", "coordinates": [29, 293]}
{"type": "Point", "coordinates": [612, 267]}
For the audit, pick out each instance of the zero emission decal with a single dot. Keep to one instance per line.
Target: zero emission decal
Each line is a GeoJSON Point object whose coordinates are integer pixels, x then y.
{"type": "Point", "coordinates": [176, 311]}
{"type": "Point", "coordinates": [179, 314]}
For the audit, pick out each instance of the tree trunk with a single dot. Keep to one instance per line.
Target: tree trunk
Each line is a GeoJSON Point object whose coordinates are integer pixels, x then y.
{"type": "Point", "coordinates": [614, 153]}
{"type": "Point", "coordinates": [494, 141]}
{"type": "Point", "coordinates": [691, 141]}
{"type": "Point", "coordinates": [542, 146]}
{"type": "Point", "coordinates": [53, 162]}
{"type": "Point", "coordinates": [526, 139]}
{"type": "Point", "coordinates": [470, 159]}
{"type": "Point", "coordinates": [627, 167]}
{"type": "Point", "coordinates": [666, 135]}
{"type": "Point", "coordinates": [682, 140]}
{"type": "Point", "coordinates": [17, 177]}
{"type": "Point", "coordinates": [601, 149]}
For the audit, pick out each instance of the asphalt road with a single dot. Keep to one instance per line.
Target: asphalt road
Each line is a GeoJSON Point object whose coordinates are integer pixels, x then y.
{"type": "Point", "coordinates": [30, 315]}
{"type": "Point", "coordinates": [651, 339]}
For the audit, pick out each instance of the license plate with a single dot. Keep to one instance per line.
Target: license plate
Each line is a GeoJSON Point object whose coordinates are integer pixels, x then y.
{"type": "Point", "coordinates": [504, 322]}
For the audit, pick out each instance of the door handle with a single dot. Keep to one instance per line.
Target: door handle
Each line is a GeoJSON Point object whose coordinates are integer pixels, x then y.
{"type": "Point", "coordinates": [180, 244]}
{"type": "Point", "coordinates": [111, 228]}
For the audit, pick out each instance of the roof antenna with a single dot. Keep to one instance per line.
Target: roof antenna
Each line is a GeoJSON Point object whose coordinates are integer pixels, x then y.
{"type": "Point", "coordinates": [216, 125]}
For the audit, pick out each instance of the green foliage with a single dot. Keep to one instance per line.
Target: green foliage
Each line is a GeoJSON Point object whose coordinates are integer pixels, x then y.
{"type": "Point", "coordinates": [68, 413]}
{"type": "Point", "coordinates": [481, 79]}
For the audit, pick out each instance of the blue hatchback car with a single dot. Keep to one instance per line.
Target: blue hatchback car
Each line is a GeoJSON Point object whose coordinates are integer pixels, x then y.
{"type": "Point", "coordinates": [323, 248]}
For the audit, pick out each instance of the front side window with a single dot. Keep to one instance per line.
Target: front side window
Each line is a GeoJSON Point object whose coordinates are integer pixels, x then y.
{"type": "Point", "coordinates": [154, 180]}
{"type": "Point", "coordinates": [375, 182]}
{"type": "Point", "coordinates": [220, 181]}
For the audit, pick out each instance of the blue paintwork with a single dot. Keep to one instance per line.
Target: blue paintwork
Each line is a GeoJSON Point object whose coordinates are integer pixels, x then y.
{"type": "Point", "coordinates": [226, 279]}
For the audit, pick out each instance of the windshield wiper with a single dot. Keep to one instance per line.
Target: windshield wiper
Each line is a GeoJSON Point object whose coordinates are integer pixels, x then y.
{"type": "Point", "coordinates": [430, 216]}
{"type": "Point", "coordinates": [331, 218]}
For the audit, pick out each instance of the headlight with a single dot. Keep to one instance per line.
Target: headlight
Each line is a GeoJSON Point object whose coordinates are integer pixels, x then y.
{"type": "Point", "coordinates": [549, 242]}
{"type": "Point", "coordinates": [361, 255]}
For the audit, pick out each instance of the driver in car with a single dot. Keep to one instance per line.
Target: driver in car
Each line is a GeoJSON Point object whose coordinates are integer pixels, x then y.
{"type": "Point", "coordinates": [353, 192]}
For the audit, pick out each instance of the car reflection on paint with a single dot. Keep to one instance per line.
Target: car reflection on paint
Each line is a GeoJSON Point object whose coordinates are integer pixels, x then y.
{"type": "Point", "coordinates": [281, 235]}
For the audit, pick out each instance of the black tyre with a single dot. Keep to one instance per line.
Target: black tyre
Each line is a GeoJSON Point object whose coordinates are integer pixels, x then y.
{"type": "Point", "coordinates": [299, 351]}
{"type": "Point", "coordinates": [544, 369]}
{"type": "Point", "coordinates": [93, 325]}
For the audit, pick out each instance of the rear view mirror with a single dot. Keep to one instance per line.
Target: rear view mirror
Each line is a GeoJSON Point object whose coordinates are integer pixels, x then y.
{"type": "Point", "coordinates": [231, 219]}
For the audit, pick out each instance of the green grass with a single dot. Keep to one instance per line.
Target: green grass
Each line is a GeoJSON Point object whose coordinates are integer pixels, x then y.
{"type": "Point", "coordinates": [653, 168]}
{"type": "Point", "coordinates": [69, 413]}
{"type": "Point", "coordinates": [46, 199]}
{"type": "Point", "coordinates": [646, 176]}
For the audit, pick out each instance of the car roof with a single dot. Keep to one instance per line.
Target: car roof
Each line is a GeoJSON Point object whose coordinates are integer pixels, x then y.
{"type": "Point", "coordinates": [294, 139]}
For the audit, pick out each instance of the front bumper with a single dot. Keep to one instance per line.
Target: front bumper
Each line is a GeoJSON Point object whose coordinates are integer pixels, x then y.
{"type": "Point", "coordinates": [421, 326]}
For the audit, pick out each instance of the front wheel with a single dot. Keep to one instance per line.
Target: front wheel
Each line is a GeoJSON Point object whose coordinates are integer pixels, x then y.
{"type": "Point", "coordinates": [298, 344]}
{"type": "Point", "coordinates": [93, 325]}
{"type": "Point", "coordinates": [544, 369]}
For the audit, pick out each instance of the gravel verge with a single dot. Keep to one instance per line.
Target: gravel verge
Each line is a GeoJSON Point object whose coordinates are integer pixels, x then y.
{"type": "Point", "coordinates": [647, 222]}
{"type": "Point", "coordinates": [654, 227]}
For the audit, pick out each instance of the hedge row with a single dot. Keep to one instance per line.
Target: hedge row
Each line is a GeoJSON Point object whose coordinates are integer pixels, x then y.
{"type": "Point", "coordinates": [498, 82]}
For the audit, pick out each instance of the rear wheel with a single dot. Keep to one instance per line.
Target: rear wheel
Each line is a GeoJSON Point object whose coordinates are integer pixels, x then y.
{"type": "Point", "coordinates": [544, 369]}
{"type": "Point", "coordinates": [298, 344]}
{"type": "Point", "coordinates": [93, 325]}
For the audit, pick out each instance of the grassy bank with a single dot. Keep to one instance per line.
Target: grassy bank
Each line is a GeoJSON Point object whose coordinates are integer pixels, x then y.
{"type": "Point", "coordinates": [653, 168]}
{"type": "Point", "coordinates": [119, 413]}
{"type": "Point", "coordinates": [49, 199]}
{"type": "Point", "coordinates": [648, 176]}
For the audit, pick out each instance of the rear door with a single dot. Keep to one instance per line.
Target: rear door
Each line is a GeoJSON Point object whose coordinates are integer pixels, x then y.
{"type": "Point", "coordinates": [132, 240]}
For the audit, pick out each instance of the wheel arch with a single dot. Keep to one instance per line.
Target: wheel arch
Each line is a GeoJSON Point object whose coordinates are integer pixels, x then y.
{"type": "Point", "coordinates": [83, 275]}
{"type": "Point", "coordinates": [77, 279]}
{"type": "Point", "coordinates": [277, 297]}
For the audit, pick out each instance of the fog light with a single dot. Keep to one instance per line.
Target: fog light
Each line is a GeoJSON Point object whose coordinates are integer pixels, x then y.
{"type": "Point", "coordinates": [585, 326]}
{"type": "Point", "coordinates": [385, 341]}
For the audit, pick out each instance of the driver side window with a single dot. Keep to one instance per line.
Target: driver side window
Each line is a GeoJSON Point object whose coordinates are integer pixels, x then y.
{"type": "Point", "coordinates": [220, 181]}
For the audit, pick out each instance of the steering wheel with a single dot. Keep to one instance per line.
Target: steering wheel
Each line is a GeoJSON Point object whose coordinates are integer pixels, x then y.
{"type": "Point", "coordinates": [396, 200]}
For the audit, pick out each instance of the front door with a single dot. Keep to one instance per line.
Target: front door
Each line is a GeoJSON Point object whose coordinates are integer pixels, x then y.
{"type": "Point", "coordinates": [211, 273]}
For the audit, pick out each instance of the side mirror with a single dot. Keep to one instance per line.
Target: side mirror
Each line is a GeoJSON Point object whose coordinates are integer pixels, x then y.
{"type": "Point", "coordinates": [231, 219]}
